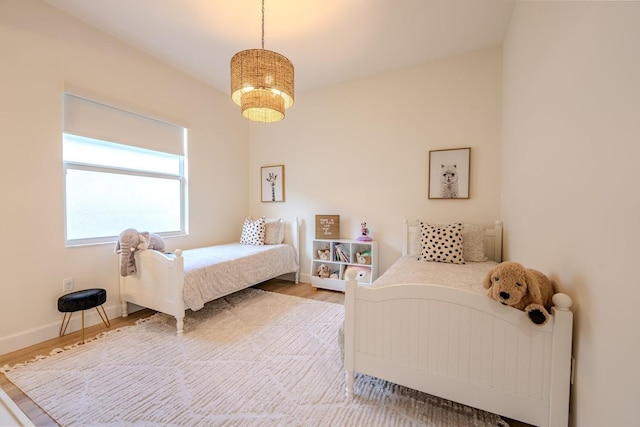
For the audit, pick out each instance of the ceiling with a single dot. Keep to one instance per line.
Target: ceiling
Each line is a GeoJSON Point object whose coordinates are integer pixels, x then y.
{"type": "Point", "coordinates": [328, 41]}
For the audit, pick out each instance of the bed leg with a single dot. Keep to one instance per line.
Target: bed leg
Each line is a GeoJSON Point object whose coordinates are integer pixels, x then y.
{"type": "Point", "coordinates": [297, 277]}
{"type": "Point", "coordinates": [124, 309]}
{"type": "Point", "coordinates": [350, 382]}
{"type": "Point", "coordinates": [180, 326]}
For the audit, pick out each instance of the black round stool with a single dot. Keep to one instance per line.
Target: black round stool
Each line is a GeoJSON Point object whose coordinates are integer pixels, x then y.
{"type": "Point", "coordinates": [81, 301]}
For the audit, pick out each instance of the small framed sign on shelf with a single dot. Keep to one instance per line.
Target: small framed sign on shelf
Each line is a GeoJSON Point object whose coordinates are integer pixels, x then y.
{"type": "Point", "coordinates": [327, 226]}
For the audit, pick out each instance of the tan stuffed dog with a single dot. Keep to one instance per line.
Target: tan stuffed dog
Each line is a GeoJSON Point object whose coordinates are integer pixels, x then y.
{"type": "Point", "coordinates": [523, 288]}
{"type": "Point", "coordinates": [323, 271]}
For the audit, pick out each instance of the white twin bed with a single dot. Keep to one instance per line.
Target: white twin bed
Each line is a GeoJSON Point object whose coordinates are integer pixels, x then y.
{"type": "Point", "coordinates": [454, 341]}
{"type": "Point", "coordinates": [172, 283]}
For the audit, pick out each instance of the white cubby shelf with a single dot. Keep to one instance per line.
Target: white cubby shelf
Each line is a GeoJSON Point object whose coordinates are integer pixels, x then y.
{"type": "Point", "coordinates": [343, 255]}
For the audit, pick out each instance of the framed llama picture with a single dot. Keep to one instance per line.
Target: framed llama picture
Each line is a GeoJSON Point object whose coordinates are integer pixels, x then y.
{"type": "Point", "coordinates": [449, 173]}
{"type": "Point", "coordinates": [272, 183]}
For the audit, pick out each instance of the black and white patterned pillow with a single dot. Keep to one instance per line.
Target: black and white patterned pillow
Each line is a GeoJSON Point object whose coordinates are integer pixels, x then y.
{"type": "Point", "coordinates": [253, 232]}
{"type": "Point", "coordinates": [441, 243]}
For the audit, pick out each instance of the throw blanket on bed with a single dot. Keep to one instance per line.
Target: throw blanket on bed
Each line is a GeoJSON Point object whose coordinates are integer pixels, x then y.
{"type": "Point", "coordinates": [408, 269]}
{"type": "Point", "coordinates": [215, 271]}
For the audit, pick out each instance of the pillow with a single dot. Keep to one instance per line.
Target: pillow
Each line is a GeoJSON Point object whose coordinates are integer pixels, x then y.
{"type": "Point", "coordinates": [473, 243]}
{"type": "Point", "coordinates": [283, 226]}
{"type": "Point", "coordinates": [274, 231]}
{"type": "Point", "coordinates": [441, 243]}
{"type": "Point", "coordinates": [253, 232]}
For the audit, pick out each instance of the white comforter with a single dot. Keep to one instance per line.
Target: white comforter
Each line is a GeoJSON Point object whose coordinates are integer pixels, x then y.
{"type": "Point", "coordinates": [216, 271]}
{"type": "Point", "coordinates": [408, 269]}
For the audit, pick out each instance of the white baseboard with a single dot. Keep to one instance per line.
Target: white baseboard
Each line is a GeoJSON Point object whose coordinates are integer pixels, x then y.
{"type": "Point", "coordinates": [44, 333]}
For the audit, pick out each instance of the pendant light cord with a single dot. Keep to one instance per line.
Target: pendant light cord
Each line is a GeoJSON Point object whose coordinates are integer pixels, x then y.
{"type": "Point", "coordinates": [262, 24]}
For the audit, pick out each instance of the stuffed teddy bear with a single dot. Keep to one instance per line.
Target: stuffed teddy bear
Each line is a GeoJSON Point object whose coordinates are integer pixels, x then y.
{"type": "Point", "coordinates": [363, 257]}
{"type": "Point", "coordinates": [131, 240]}
{"type": "Point", "coordinates": [323, 271]}
{"type": "Point", "coordinates": [323, 254]}
{"type": "Point", "coordinates": [523, 288]}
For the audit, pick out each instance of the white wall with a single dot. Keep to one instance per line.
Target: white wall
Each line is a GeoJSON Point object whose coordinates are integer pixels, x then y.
{"type": "Point", "coordinates": [570, 181]}
{"type": "Point", "coordinates": [360, 150]}
{"type": "Point", "coordinates": [41, 50]}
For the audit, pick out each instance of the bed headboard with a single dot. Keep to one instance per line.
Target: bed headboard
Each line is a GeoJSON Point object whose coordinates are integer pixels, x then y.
{"type": "Point", "coordinates": [492, 239]}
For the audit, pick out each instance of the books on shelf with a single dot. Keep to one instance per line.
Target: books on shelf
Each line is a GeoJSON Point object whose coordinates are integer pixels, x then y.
{"type": "Point", "coordinates": [341, 253]}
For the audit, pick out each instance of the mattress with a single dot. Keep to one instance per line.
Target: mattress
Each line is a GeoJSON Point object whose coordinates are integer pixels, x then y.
{"type": "Point", "coordinates": [215, 271]}
{"type": "Point", "coordinates": [408, 269]}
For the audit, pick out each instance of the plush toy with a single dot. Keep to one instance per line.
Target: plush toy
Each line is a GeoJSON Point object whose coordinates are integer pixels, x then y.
{"type": "Point", "coordinates": [323, 254]}
{"type": "Point", "coordinates": [523, 288]}
{"type": "Point", "coordinates": [156, 242]}
{"type": "Point", "coordinates": [129, 238]}
{"type": "Point", "coordinates": [129, 241]}
{"type": "Point", "coordinates": [363, 257]}
{"type": "Point", "coordinates": [362, 274]}
{"type": "Point", "coordinates": [323, 271]}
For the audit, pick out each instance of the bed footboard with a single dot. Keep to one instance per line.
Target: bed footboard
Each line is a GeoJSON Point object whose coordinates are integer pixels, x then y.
{"type": "Point", "coordinates": [463, 347]}
{"type": "Point", "coordinates": [157, 285]}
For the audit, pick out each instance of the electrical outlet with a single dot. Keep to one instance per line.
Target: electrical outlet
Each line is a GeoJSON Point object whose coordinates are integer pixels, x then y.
{"type": "Point", "coordinates": [67, 284]}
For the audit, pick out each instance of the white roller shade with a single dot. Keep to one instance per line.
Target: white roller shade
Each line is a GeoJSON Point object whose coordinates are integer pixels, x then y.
{"type": "Point", "coordinates": [92, 119]}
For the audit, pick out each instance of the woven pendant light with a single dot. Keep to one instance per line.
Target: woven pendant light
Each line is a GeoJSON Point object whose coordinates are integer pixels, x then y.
{"type": "Point", "coordinates": [262, 83]}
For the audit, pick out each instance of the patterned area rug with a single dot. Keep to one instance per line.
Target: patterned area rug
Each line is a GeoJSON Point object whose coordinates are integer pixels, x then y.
{"type": "Point", "coordinates": [254, 358]}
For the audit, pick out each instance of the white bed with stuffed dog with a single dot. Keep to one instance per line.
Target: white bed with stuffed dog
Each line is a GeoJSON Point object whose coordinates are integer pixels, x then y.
{"type": "Point", "coordinates": [187, 279]}
{"type": "Point", "coordinates": [430, 326]}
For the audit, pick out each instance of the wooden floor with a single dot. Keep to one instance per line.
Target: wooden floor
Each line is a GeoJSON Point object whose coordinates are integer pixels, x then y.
{"type": "Point", "coordinates": [40, 418]}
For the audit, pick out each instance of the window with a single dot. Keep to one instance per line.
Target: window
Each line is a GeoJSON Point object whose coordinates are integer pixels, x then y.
{"type": "Point", "coordinates": [111, 186]}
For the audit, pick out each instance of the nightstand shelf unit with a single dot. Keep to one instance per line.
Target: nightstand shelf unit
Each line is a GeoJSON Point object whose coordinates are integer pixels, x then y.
{"type": "Point", "coordinates": [341, 255]}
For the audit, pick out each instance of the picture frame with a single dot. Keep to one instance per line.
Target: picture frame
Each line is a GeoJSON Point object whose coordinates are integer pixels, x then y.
{"type": "Point", "coordinates": [272, 183]}
{"type": "Point", "coordinates": [449, 173]}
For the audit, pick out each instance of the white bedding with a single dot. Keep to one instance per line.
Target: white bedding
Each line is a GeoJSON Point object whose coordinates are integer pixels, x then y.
{"type": "Point", "coordinates": [215, 271]}
{"type": "Point", "coordinates": [408, 269]}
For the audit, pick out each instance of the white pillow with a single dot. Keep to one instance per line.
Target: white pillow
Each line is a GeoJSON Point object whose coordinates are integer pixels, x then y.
{"type": "Point", "coordinates": [441, 243]}
{"type": "Point", "coordinates": [274, 231]}
{"type": "Point", "coordinates": [253, 232]}
{"type": "Point", "coordinates": [283, 226]}
{"type": "Point", "coordinates": [473, 243]}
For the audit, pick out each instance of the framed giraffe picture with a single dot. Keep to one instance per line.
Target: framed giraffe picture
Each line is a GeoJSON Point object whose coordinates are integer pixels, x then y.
{"type": "Point", "coordinates": [272, 183]}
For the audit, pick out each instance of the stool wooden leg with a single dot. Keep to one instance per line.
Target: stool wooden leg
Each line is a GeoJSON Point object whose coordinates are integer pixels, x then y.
{"type": "Point", "coordinates": [62, 331]}
{"type": "Point", "coordinates": [82, 326]}
{"type": "Point", "coordinates": [105, 319]}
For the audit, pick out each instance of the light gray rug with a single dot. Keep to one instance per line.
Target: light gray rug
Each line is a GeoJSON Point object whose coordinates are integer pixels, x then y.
{"type": "Point", "coordinates": [252, 358]}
